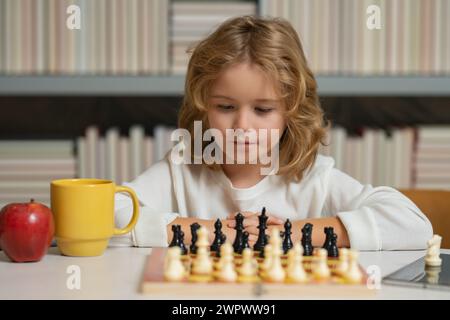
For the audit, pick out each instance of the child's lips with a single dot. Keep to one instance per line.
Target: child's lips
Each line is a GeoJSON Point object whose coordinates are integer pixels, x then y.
{"type": "Point", "coordinates": [244, 142]}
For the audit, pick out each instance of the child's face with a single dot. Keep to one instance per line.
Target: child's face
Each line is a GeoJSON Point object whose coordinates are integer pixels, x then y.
{"type": "Point", "coordinates": [243, 97]}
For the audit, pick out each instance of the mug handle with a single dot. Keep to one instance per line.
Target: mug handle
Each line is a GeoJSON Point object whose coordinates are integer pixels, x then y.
{"type": "Point", "coordinates": [135, 216]}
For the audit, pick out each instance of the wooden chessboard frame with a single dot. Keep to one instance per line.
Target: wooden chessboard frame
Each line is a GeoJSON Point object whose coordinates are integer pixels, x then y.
{"type": "Point", "coordinates": [153, 283]}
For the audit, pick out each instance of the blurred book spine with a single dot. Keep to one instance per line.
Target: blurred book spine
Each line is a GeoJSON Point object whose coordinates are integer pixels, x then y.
{"type": "Point", "coordinates": [28, 166]}
{"type": "Point", "coordinates": [190, 21]}
{"type": "Point", "coordinates": [413, 38]}
{"type": "Point", "coordinates": [116, 37]}
{"type": "Point", "coordinates": [400, 157]}
{"type": "Point", "coordinates": [433, 157]}
{"type": "Point", "coordinates": [153, 36]}
{"type": "Point", "coordinates": [120, 158]}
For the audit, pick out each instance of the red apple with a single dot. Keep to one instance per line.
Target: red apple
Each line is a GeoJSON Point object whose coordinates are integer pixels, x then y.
{"type": "Point", "coordinates": [26, 230]}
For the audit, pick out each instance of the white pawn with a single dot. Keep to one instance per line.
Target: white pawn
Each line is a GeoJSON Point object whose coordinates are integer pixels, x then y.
{"type": "Point", "coordinates": [432, 258]}
{"type": "Point", "coordinates": [295, 271]}
{"type": "Point", "coordinates": [173, 267]}
{"type": "Point", "coordinates": [267, 257]}
{"type": "Point", "coordinates": [249, 265]}
{"type": "Point", "coordinates": [226, 249]}
{"type": "Point", "coordinates": [342, 265]}
{"type": "Point", "coordinates": [353, 274]}
{"type": "Point", "coordinates": [202, 264]}
{"type": "Point", "coordinates": [202, 238]}
{"type": "Point", "coordinates": [320, 267]}
{"type": "Point", "coordinates": [226, 271]}
{"type": "Point", "coordinates": [275, 273]}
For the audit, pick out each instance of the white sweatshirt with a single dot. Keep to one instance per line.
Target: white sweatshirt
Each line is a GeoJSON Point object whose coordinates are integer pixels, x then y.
{"type": "Point", "coordinates": [379, 218]}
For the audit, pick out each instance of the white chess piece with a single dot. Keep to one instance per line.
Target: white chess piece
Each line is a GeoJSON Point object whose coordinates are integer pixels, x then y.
{"type": "Point", "coordinates": [202, 264]}
{"type": "Point", "coordinates": [225, 250]}
{"type": "Point", "coordinates": [320, 268]}
{"type": "Point", "coordinates": [226, 271]}
{"type": "Point", "coordinates": [295, 271]}
{"type": "Point", "coordinates": [173, 267]}
{"type": "Point", "coordinates": [267, 257]}
{"type": "Point", "coordinates": [275, 273]}
{"type": "Point", "coordinates": [432, 258]}
{"type": "Point", "coordinates": [202, 238]}
{"type": "Point", "coordinates": [249, 267]}
{"type": "Point", "coordinates": [432, 274]}
{"type": "Point", "coordinates": [353, 274]}
{"type": "Point", "coordinates": [342, 265]}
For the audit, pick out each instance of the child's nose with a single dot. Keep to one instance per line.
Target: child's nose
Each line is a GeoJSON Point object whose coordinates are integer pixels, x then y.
{"type": "Point", "coordinates": [243, 121]}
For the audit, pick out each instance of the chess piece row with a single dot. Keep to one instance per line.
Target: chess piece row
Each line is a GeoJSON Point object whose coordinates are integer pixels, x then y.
{"type": "Point", "coordinates": [240, 242]}
{"type": "Point", "coordinates": [202, 268]}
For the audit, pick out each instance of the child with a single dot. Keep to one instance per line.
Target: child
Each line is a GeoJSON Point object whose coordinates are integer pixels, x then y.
{"type": "Point", "coordinates": [251, 74]}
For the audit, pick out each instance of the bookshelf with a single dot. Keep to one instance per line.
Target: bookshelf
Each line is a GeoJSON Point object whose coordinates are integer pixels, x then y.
{"type": "Point", "coordinates": [173, 85]}
{"type": "Point", "coordinates": [109, 57]}
{"type": "Point", "coordinates": [92, 85]}
{"type": "Point", "coordinates": [125, 68]}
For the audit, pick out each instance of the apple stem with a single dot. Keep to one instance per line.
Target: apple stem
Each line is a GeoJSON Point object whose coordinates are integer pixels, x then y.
{"type": "Point", "coordinates": [31, 200]}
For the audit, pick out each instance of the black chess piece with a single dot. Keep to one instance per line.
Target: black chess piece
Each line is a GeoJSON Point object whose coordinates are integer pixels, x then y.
{"type": "Point", "coordinates": [182, 246]}
{"type": "Point", "coordinates": [245, 244]}
{"type": "Point", "coordinates": [178, 239]}
{"type": "Point", "coordinates": [261, 242]}
{"type": "Point", "coordinates": [222, 241]}
{"type": "Point", "coordinates": [266, 239]}
{"type": "Point", "coordinates": [176, 236]}
{"type": "Point", "coordinates": [333, 251]}
{"type": "Point", "coordinates": [307, 239]}
{"type": "Point", "coordinates": [194, 237]}
{"type": "Point", "coordinates": [217, 243]}
{"type": "Point", "coordinates": [325, 244]}
{"type": "Point", "coordinates": [329, 231]}
{"type": "Point", "coordinates": [238, 240]}
{"type": "Point", "coordinates": [261, 254]}
{"type": "Point", "coordinates": [287, 241]}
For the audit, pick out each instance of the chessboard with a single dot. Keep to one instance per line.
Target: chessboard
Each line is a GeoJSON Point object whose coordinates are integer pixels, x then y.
{"type": "Point", "coordinates": [154, 283]}
{"type": "Point", "coordinates": [275, 266]}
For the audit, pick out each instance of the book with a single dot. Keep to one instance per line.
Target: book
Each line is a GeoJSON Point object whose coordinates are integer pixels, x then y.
{"type": "Point", "coordinates": [112, 153]}
{"type": "Point", "coordinates": [137, 134]}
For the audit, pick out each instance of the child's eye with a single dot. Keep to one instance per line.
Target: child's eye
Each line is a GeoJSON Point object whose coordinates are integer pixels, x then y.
{"type": "Point", "coordinates": [263, 109]}
{"type": "Point", "coordinates": [225, 107]}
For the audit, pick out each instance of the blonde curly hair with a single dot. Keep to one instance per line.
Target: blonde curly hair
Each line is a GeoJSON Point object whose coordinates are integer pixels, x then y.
{"type": "Point", "coordinates": [274, 46]}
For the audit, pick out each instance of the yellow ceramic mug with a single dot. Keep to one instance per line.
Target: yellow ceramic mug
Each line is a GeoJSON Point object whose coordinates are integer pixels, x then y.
{"type": "Point", "coordinates": [84, 215]}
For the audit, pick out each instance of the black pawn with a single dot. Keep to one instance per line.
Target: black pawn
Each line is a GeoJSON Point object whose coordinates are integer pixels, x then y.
{"type": "Point", "coordinates": [333, 251]}
{"type": "Point", "coordinates": [178, 239]}
{"type": "Point", "coordinates": [238, 240]}
{"type": "Point", "coordinates": [217, 243]}
{"type": "Point", "coordinates": [222, 240]}
{"type": "Point", "coordinates": [194, 237]}
{"type": "Point", "coordinates": [329, 231]}
{"type": "Point", "coordinates": [182, 246]}
{"type": "Point", "coordinates": [261, 242]}
{"type": "Point", "coordinates": [176, 236]}
{"type": "Point", "coordinates": [245, 244]}
{"type": "Point", "coordinates": [307, 239]}
{"type": "Point", "coordinates": [287, 241]}
{"type": "Point", "coordinates": [261, 253]}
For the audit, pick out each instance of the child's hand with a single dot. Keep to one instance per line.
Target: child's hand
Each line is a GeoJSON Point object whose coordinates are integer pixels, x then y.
{"type": "Point", "coordinates": [251, 223]}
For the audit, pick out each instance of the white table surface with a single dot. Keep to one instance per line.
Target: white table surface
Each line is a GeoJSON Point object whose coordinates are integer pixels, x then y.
{"type": "Point", "coordinates": [118, 272]}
